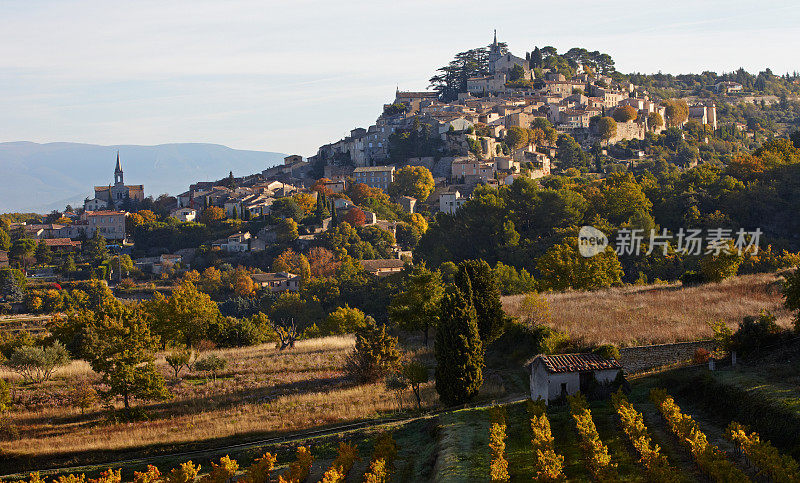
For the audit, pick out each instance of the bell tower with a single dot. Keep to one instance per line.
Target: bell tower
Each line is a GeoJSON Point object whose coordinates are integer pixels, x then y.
{"type": "Point", "coordinates": [118, 177]}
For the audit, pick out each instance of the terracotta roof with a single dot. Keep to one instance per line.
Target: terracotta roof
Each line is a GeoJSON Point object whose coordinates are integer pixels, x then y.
{"type": "Point", "coordinates": [4, 257]}
{"type": "Point", "coordinates": [61, 242]}
{"type": "Point", "coordinates": [575, 362]}
{"type": "Point", "coordinates": [272, 277]}
{"type": "Point", "coordinates": [382, 263]}
{"type": "Point", "coordinates": [104, 213]}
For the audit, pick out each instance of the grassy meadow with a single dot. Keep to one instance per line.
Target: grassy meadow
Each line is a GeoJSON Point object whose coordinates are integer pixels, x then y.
{"type": "Point", "coordinates": [655, 314]}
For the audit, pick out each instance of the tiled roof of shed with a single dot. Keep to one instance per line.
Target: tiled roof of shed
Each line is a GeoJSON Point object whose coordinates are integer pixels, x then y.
{"type": "Point", "coordinates": [575, 362]}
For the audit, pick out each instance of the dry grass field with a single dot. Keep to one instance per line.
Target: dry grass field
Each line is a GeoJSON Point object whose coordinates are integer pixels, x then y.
{"type": "Point", "coordinates": [262, 391]}
{"type": "Point", "coordinates": [637, 315]}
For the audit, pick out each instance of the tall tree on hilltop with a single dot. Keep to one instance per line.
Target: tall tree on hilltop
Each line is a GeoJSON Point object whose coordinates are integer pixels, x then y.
{"type": "Point", "coordinates": [458, 349]}
{"type": "Point", "coordinates": [476, 280]}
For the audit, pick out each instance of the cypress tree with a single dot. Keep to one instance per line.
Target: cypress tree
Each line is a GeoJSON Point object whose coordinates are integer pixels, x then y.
{"type": "Point", "coordinates": [459, 352]}
{"type": "Point", "coordinates": [479, 284]}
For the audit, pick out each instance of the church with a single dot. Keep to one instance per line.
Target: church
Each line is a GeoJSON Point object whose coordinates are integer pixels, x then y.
{"type": "Point", "coordinates": [112, 196]}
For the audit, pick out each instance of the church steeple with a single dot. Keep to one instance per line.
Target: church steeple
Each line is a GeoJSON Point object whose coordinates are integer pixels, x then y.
{"type": "Point", "coordinates": [495, 38]}
{"type": "Point", "coordinates": [118, 177]}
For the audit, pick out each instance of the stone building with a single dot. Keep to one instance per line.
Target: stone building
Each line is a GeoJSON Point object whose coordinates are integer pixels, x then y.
{"type": "Point", "coordinates": [556, 376]}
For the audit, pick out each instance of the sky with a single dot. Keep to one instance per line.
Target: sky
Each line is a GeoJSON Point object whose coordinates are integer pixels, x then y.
{"type": "Point", "coordinates": [289, 76]}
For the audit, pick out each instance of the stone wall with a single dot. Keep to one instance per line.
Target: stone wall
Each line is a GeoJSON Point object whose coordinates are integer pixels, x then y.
{"type": "Point", "coordinates": [642, 358]}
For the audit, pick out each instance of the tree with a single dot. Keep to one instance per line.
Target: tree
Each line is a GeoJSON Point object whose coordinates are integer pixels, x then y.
{"type": "Point", "coordinates": [416, 373]}
{"type": "Point", "coordinates": [459, 352]}
{"type": "Point", "coordinates": [718, 267]}
{"type": "Point", "coordinates": [212, 363]}
{"type": "Point", "coordinates": [415, 181]}
{"type": "Point", "coordinates": [68, 266]}
{"type": "Point", "coordinates": [177, 360]}
{"type": "Point", "coordinates": [184, 317]}
{"type": "Point", "coordinates": [122, 351]}
{"type": "Point", "coordinates": [677, 111]}
{"type": "Point", "coordinates": [44, 254]}
{"type": "Point", "coordinates": [37, 364]}
{"type": "Point", "coordinates": [625, 114]}
{"type": "Point", "coordinates": [148, 216]}
{"type": "Point", "coordinates": [355, 217]}
{"type": "Point", "coordinates": [22, 251]}
{"type": "Point", "coordinates": [212, 215]}
{"type": "Point", "coordinates": [416, 307]}
{"type": "Point", "coordinates": [607, 128]}
{"type": "Point", "coordinates": [654, 121]}
{"type": "Point", "coordinates": [322, 261]}
{"type": "Point", "coordinates": [95, 248]}
{"type": "Point", "coordinates": [5, 240]}
{"type": "Point", "coordinates": [791, 294]}
{"type": "Point", "coordinates": [287, 231]}
{"type": "Point", "coordinates": [516, 137]}
{"type": "Point", "coordinates": [374, 355]}
{"type": "Point", "coordinates": [562, 267]}
{"type": "Point", "coordinates": [344, 320]}
{"type": "Point", "coordinates": [794, 137]}
{"type": "Point", "coordinates": [291, 315]}
{"type": "Point", "coordinates": [287, 207]}
{"type": "Point", "coordinates": [12, 284]}
{"type": "Point", "coordinates": [476, 280]}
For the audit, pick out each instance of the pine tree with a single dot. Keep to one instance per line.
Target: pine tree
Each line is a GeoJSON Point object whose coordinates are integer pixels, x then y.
{"type": "Point", "coordinates": [478, 283]}
{"type": "Point", "coordinates": [44, 254]}
{"type": "Point", "coordinates": [459, 352]}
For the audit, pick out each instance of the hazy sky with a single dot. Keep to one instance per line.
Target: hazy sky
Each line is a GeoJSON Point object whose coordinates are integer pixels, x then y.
{"type": "Point", "coordinates": [288, 76]}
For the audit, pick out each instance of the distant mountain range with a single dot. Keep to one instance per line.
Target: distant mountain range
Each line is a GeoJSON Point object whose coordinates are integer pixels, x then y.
{"type": "Point", "coordinates": [42, 177]}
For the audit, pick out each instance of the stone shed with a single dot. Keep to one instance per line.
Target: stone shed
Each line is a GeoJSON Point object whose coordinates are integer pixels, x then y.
{"type": "Point", "coordinates": [555, 376]}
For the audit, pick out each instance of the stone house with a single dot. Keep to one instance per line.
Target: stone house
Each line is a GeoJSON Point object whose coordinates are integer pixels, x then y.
{"type": "Point", "coordinates": [184, 214]}
{"type": "Point", "coordinates": [277, 281]}
{"type": "Point", "coordinates": [450, 202]}
{"type": "Point", "coordinates": [374, 176]}
{"type": "Point", "coordinates": [556, 376]}
{"type": "Point", "coordinates": [383, 267]}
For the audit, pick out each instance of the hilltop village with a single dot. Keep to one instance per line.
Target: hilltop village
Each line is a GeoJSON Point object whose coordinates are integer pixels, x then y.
{"type": "Point", "coordinates": [518, 120]}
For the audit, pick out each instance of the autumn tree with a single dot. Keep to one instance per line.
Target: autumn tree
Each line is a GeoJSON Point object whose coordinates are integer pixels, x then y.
{"type": "Point", "coordinates": [416, 307]}
{"type": "Point", "coordinates": [355, 217]}
{"type": "Point", "coordinates": [606, 128]}
{"type": "Point", "coordinates": [459, 351]}
{"type": "Point", "coordinates": [562, 267]}
{"type": "Point", "coordinates": [148, 216]}
{"type": "Point", "coordinates": [183, 317]}
{"type": "Point", "coordinates": [625, 114]}
{"type": "Point", "coordinates": [516, 137]}
{"type": "Point", "coordinates": [323, 262]}
{"type": "Point", "coordinates": [344, 320]}
{"type": "Point", "coordinates": [415, 181]}
{"type": "Point", "coordinates": [655, 121]}
{"type": "Point", "coordinates": [212, 215]}
{"type": "Point", "coordinates": [677, 111]}
{"type": "Point", "coordinates": [321, 186]}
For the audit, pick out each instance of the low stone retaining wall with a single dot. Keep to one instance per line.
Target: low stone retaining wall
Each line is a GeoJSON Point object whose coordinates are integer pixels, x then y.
{"type": "Point", "coordinates": [643, 358]}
